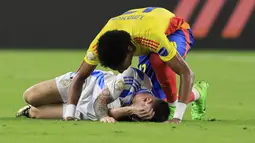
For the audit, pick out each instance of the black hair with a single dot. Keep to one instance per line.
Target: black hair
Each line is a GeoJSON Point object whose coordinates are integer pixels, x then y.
{"type": "Point", "coordinates": [161, 109]}
{"type": "Point", "coordinates": [113, 48]}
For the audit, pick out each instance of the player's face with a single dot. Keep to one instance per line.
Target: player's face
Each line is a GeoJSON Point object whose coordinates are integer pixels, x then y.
{"type": "Point", "coordinates": [143, 99]}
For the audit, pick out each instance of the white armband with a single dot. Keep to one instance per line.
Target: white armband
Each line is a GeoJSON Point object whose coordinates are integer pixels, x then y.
{"type": "Point", "coordinates": [180, 110]}
{"type": "Point", "coordinates": [70, 111]}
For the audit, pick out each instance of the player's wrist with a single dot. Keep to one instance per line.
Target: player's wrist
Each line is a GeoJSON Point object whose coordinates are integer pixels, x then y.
{"type": "Point", "coordinates": [180, 110]}
{"type": "Point", "coordinates": [130, 110]}
{"type": "Point", "coordinates": [70, 111]}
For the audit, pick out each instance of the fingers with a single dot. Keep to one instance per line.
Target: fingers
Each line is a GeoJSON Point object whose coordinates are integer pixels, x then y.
{"type": "Point", "coordinates": [150, 116]}
{"type": "Point", "coordinates": [175, 121]}
{"type": "Point", "coordinates": [108, 120]}
{"type": "Point", "coordinates": [146, 113]}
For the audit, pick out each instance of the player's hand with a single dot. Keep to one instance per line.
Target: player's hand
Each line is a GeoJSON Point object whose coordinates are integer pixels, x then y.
{"type": "Point", "coordinates": [108, 120]}
{"type": "Point", "coordinates": [143, 112]}
{"type": "Point", "coordinates": [174, 120]}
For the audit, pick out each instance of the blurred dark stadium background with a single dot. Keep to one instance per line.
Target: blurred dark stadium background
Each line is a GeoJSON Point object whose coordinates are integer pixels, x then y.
{"type": "Point", "coordinates": [72, 24]}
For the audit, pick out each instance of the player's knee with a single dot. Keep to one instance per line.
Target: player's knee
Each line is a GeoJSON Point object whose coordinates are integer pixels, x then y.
{"type": "Point", "coordinates": [30, 96]}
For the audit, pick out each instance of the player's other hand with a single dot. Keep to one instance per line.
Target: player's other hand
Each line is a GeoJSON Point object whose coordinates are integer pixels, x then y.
{"type": "Point", "coordinates": [108, 120]}
{"type": "Point", "coordinates": [143, 112]}
{"type": "Point", "coordinates": [175, 120]}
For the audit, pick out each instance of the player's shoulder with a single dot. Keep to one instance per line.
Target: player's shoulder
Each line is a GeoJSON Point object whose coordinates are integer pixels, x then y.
{"type": "Point", "coordinates": [132, 72]}
{"type": "Point", "coordinates": [97, 72]}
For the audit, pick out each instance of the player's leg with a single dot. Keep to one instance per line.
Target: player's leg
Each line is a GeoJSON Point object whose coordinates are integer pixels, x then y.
{"type": "Point", "coordinates": [49, 92]}
{"type": "Point", "coordinates": [50, 111]}
{"type": "Point", "coordinates": [184, 40]}
{"type": "Point", "coordinates": [145, 66]}
{"type": "Point", "coordinates": [43, 93]}
{"type": "Point", "coordinates": [167, 79]}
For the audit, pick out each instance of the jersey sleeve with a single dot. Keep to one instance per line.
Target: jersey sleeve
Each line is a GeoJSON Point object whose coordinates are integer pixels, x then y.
{"type": "Point", "coordinates": [91, 56]}
{"type": "Point", "coordinates": [134, 79]}
{"type": "Point", "coordinates": [115, 86]}
{"type": "Point", "coordinates": [159, 44]}
{"type": "Point", "coordinates": [119, 83]}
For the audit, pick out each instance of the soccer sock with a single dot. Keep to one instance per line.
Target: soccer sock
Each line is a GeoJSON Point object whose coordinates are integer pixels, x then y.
{"type": "Point", "coordinates": [191, 97]}
{"type": "Point", "coordinates": [166, 78]}
{"type": "Point", "coordinates": [194, 95]}
{"type": "Point", "coordinates": [171, 96]}
{"type": "Point", "coordinates": [173, 103]}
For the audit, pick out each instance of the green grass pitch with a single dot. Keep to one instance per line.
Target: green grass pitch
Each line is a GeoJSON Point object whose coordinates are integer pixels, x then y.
{"type": "Point", "coordinates": [231, 108]}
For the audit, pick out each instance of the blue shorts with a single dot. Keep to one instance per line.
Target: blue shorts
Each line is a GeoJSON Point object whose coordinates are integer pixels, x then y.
{"type": "Point", "coordinates": [184, 40]}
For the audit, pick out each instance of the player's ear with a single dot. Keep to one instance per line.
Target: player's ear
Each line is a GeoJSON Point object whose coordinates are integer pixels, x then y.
{"type": "Point", "coordinates": [131, 48]}
{"type": "Point", "coordinates": [147, 100]}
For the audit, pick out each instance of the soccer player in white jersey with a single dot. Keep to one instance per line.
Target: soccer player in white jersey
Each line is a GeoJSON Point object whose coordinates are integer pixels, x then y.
{"type": "Point", "coordinates": [47, 100]}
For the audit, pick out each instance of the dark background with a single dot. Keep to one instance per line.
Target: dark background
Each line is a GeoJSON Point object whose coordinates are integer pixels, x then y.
{"type": "Point", "coordinates": [74, 23]}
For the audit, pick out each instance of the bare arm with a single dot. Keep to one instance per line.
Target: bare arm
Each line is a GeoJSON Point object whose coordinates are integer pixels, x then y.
{"type": "Point", "coordinates": [120, 113]}
{"type": "Point", "coordinates": [179, 66]}
{"type": "Point", "coordinates": [100, 105]}
{"type": "Point", "coordinates": [75, 89]}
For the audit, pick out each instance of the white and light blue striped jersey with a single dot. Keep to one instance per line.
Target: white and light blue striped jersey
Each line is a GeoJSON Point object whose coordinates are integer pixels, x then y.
{"type": "Point", "coordinates": [123, 88]}
{"type": "Point", "coordinates": [135, 81]}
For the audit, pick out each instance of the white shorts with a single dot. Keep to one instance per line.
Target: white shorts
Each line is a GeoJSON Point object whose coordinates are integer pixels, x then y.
{"type": "Point", "coordinates": [63, 83]}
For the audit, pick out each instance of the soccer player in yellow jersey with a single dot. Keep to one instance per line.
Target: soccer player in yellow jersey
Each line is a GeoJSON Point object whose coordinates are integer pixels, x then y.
{"type": "Point", "coordinates": [144, 32]}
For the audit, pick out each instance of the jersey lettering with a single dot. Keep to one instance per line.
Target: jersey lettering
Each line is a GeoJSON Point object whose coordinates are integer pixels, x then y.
{"type": "Point", "coordinates": [125, 15]}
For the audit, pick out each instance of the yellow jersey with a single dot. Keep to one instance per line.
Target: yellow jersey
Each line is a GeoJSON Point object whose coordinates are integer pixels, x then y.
{"type": "Point", "coordinates": [148, 28]}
